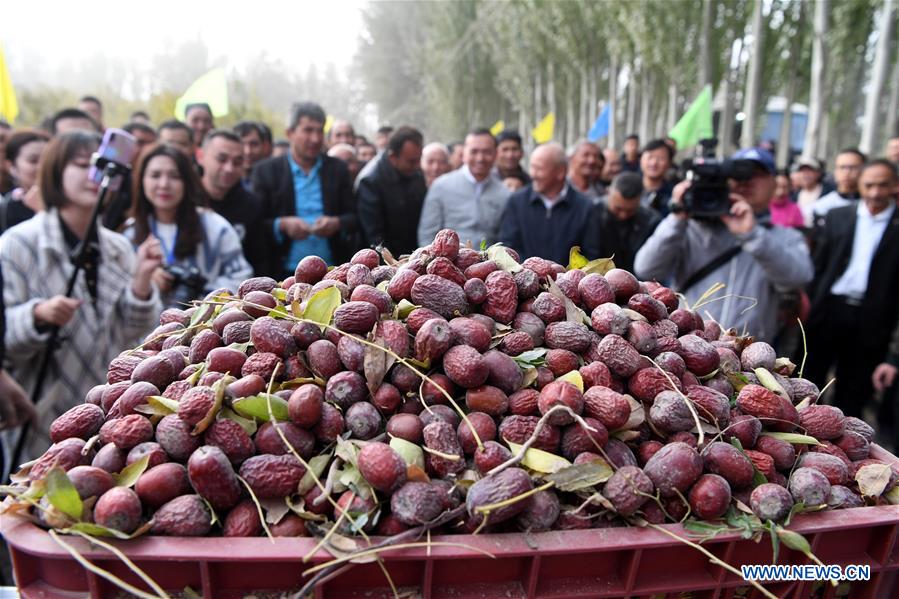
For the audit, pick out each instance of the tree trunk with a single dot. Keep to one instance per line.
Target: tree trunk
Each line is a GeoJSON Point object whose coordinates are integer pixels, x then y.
{"type": "Point", "coordinates": [538, 96]}
{"type": "Point", "coordinates": [593, 99]}
{"type": "Point", "coordinates": [613, 103]}
{"type": "Point", "coordinates": [726, 122]}
{"type": "Point", "coordinates": [818, 90]}
{"type": "Point", "coordinates": [672, 107]}
{"type": "Point", "coordinates": [645, 103]}
{"type": "Point", "coordinates": [570, 111]}
{"type": "Point", "coordinates": [551, 97]}
{"type": "Point", "coordinates": [893, 105]}
{"type": "Point", "coordinates": [584, 112]}
{"type": "Point", "coordinates": [631, 101]}
{"type": "Point", "coordinates": [705, 63]}
{"type": "Point", "coordinates": [871, 124]}
{"type": "Point", "coordinates": [754, 81]}
{"type": "Point", "coordinates": [786, 125]}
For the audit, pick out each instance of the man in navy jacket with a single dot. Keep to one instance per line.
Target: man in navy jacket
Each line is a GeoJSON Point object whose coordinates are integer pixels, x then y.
{"type": "Point", "coordinates": [549, 216]}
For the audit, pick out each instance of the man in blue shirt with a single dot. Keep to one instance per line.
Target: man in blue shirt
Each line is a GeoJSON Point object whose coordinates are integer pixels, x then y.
{"type": "Point", "coordinates": [307, 196]}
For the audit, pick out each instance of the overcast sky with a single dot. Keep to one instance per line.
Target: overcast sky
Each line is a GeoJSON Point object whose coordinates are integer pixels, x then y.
{"type": "Point", "coordinates": [39, 35]}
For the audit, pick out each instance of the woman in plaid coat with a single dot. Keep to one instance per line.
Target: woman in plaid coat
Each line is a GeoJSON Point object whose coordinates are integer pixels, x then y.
{"type": "Point", "coordinates": [114, 303]}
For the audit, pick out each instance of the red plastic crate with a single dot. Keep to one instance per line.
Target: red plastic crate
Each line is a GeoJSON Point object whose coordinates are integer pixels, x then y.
{"type": "Point", "coordinates": [617, 562]}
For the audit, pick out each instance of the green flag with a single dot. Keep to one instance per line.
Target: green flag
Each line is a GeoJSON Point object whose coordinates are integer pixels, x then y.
{"type": "Point", "coordinates": [696, 123]}
{"type": "Point", "coordinates": [211, 88]}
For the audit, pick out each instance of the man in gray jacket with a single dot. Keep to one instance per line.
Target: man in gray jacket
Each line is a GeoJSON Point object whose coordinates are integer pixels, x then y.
{"type": "Point", "coordinates": [470, 200]}
{"type": "Point", "coordinates": [753, 258]}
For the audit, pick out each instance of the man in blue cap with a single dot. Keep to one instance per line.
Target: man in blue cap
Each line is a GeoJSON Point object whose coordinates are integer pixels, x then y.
{"type": "Point", "coordinates": [741, 249]}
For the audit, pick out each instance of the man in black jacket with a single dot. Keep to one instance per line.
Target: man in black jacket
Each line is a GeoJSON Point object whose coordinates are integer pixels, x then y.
{"type": "Point", "coordinates": [307, 197]}
{"type": "Point", "coordinates": [390, 197]}
{"type": "Point", "coordinates": [624, 225]}
{"type": "Point", "coordinates": [549, 216]}
{"type": "Point", "coordinates": [854, 307]}
{"type": "Point", "coordinates": [222, 159]}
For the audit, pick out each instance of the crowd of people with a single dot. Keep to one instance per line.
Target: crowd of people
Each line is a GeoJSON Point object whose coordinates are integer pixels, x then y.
{"type": "Point", "coordinates": [205, 208]}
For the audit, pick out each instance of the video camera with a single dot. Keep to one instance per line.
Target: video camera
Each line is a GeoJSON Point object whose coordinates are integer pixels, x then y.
{"type": "Point", "coordinates": [187, 286]}
{"type": "Point", "coordinates": [709, 194]}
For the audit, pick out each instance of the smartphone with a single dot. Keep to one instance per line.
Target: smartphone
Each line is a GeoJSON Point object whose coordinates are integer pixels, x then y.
{"type": "Point", "coordinates": [118, 146]}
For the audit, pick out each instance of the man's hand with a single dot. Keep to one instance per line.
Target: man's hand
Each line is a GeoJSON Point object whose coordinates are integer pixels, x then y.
{"type": "Point", "coordinates": [294, 227]}
{"type": "Point", "coordinates": [884, 376]}
{"type": "Point", "coordinates": [741, 220]}
{"type": "Point", "coordinates": [15, 408]}
{"type": "Point", "coordinates": [677, 198]}
{"type": "Point", "coordinates": [58, 310]}
{"type": "Point", "coordinates": [326, 226]}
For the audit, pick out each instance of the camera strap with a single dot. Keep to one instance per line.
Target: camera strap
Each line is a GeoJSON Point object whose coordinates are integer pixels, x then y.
{"type": "Point", "coordinates": [710, 267]}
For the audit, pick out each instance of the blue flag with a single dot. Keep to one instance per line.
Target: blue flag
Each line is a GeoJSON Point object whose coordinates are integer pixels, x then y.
{"type": "Point", "coordinates": [601, 127]}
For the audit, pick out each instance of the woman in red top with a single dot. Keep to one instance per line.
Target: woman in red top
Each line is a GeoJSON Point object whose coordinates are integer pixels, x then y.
{"type": "Point", "coordinates": [784, 212]}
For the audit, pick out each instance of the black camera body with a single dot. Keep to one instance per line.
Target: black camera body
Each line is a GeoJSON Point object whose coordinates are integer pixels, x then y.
{"type": "Point", "coordinates": [187, 286]}
{"type": "Point", "coordinates": [709, 193]}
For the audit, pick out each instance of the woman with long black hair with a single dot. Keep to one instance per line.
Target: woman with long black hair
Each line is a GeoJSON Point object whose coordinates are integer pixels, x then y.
{"type": "Point", "coordinates": [202, 251]}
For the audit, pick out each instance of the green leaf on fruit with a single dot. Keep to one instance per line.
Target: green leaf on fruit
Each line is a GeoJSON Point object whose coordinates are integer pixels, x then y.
{"type": "Point", "coordinates": [530, 377]}
{"type": "Point", "coordinates": [280, 294]}
{"type": "Point", "coordinates": [62, 495]}
{"type": "Point", "coordinates": [534, 357]}
{"type": "Point", "coordinates": [129, 474]}
{"type": "Point", "coordinates": [600, 266]}
{"type": "Point", "coordinates": [770, 383]}
{"type": "Point", "coordinates": [321, 306]}
{"type": "Point", "coordinates": [873, 479]}
{"type": "Point", "coordinates": [280, 312]}
{"type": "Point", "coordinates": [497, 252]}
{"type": "Point", "coordinates": [317, 466]}
{"type": "Point", "coordinates": [892, 496]}
{"type": "Point", "coordinates": [638, 414]}
{"type": "Point", "coordinates": [573, 377]}
{"type": "Point", "coordinates": [747, 524]}
{"type": "Point", "coordinates": [403, 309]}
{"type": "Point", "coordinates": [257, 406]}
{"type": "Point", "coordinates": [376, 362]}
{"type": "Point", "coordinates": [410, 452]}
{"type": "Point", "coordinates": [219, 388]}
{"type": "Point", "coordinates": [539, 460]}
{"type": "Point", "coordinates": [247, 424]}
{"type": "Point", "coordinates": [483, 245]}
{"type": "Point", "coordinates": [572, 312]}
{"type": "Point", "coordinates": [383, 285]}
{"type": "Point", "coordinates": [793, 540]}
{"type": "Point", "coordinates": [581, 476]}
{"type": "Point", "coordinates": [737, 380]}
{"type": "Point", "coordinates": [793, 438]}
{"type": "Point", "coordinates": [160, 406]}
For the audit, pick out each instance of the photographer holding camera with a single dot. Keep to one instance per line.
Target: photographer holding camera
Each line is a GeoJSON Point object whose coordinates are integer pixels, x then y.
{"type": "Point", "coordinates": [719, 231]}
{"type": "Point", "coordinates": [202, 251]}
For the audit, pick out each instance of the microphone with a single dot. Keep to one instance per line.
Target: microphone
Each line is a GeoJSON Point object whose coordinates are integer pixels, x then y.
{"type": "Point", "coordinates": [113, 157]}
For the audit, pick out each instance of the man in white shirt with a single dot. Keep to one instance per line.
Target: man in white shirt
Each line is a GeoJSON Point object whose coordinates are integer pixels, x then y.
{"type": "Point", "coordinates": [854, 294]}
{"type": "Point", "coordinates": [470, 200]}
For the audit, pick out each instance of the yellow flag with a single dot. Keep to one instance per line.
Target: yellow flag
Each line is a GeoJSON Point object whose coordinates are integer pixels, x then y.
{"type": "Point", "coordinates": [211, 88]}
{"type": "Point", "coordinates": [9, 107]}
{"type": "Point", "coordinates": [497, 128]}
{"type": "Point", "coordinates": [543, 132]}
{"type": "Point", "coordinates": [329, 122]}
